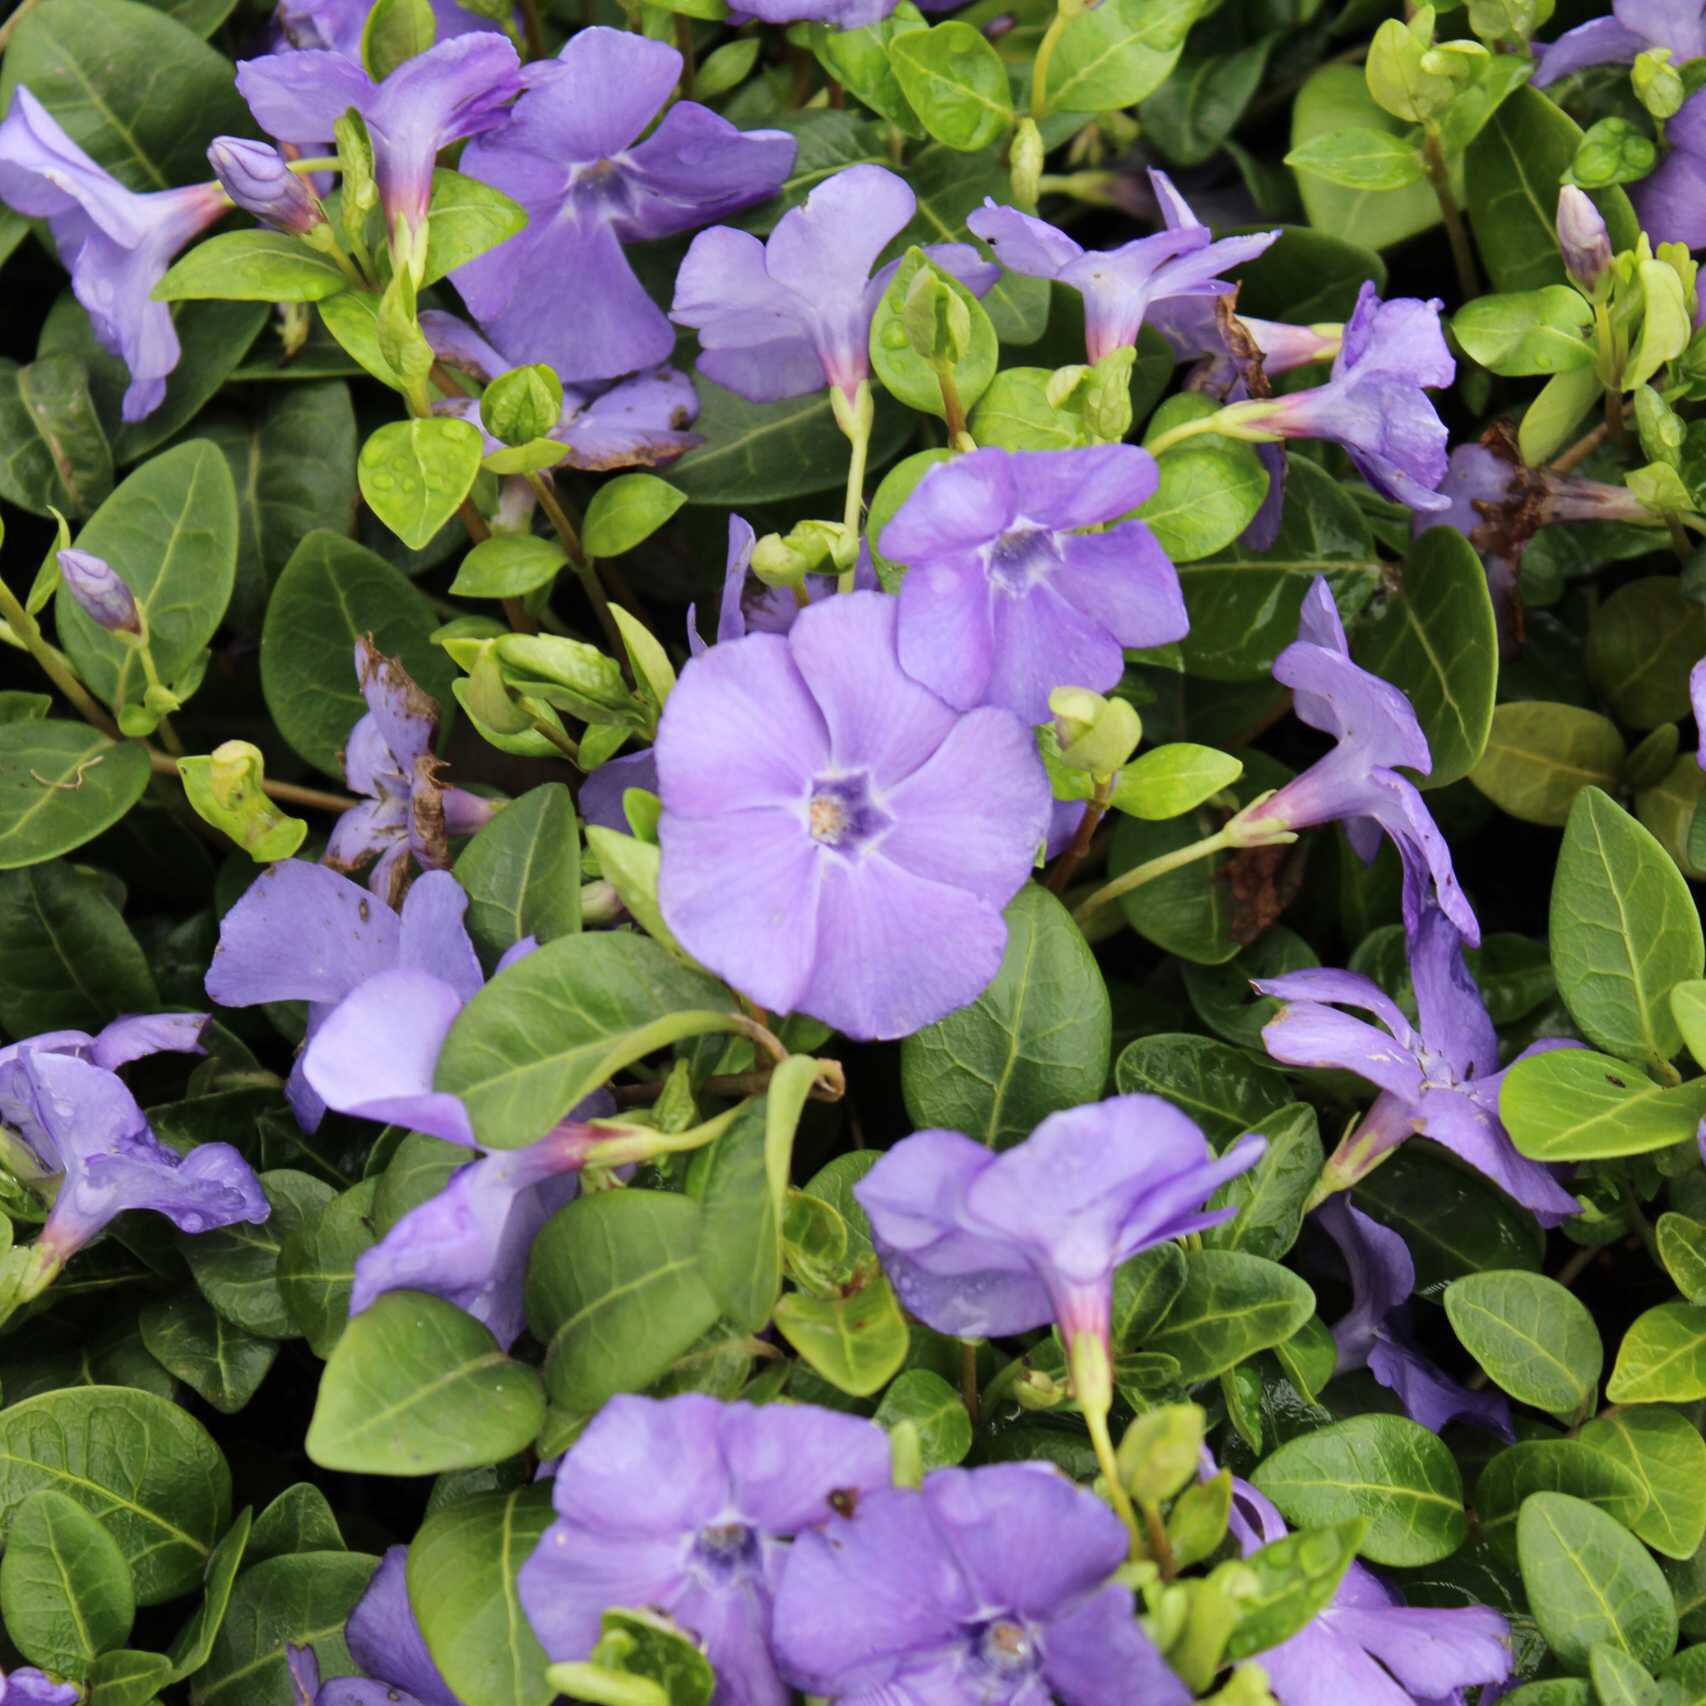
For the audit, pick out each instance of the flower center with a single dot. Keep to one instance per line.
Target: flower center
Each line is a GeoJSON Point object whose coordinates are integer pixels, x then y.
{"type": "Point", "coordinates": [841, 813]}
{"type": "Point", "coordinates": [1008, 1648]}
{"type": "Point", "coordinates": [725, 1553]}
{"type": "Point", "coordinates": [1021, 557]}
{"type": "Point", "coordinates": [602, 189]}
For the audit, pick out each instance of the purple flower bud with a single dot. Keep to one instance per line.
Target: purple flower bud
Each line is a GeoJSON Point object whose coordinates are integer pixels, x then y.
{"type": "Point", "coordinates": [1582, 237]}
{"type": "Point", "coordinates": [257, 178]}
{"type": "Point", "coordinates": [104, 598]}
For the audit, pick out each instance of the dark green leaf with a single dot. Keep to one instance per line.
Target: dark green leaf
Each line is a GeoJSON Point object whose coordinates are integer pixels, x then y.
{"type": "Point", "coordinates": [61, 784]}
{"type": "Point", "coordinates": [56, 456]}
{"type": "Point", "coordinates": [67, 958]}
{"type": "Point", "coordinates": [64, 1584]}
{"type": "Point", "coordinates": [215, 1357]}
{"type": "Point", "coordinates": [1231, 1306]}
{"type": "Point", "coordinates": [1221, 1088]}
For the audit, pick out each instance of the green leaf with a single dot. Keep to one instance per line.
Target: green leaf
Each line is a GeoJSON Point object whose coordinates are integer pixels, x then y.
{"type": "Point", "coordinates": [138, 92]}
{"type": "Point", "coordinates": [396, 31]}
{"type": "Point", "coordinates": [859, 61]}
{"type": "Point", "coordinates": [740, 1182]}
{"type": "Point", "coordinates": [1663, 1450]}
{"type": "Point", "coordinates": [1222, 995]}
{"type": "Point", "coordinates": [956, 83]}
{"type": "Point", "coordinates": [236, 1267]}
{"type": "Point", "coordinates": [251, 266]}
{"type": "Point", "coordinates": [522, 873]}
{"type": "Point", "coordinates": [507, 565]}
{"type": "Point", "coordinates": [1589, 1579]}
{"type": "Point", "coordinates": [217, 1359]}
{"type": "Point", "coordinates": [1577, 1105]}
{"type": "Point", "coordinates": [139, 1463]}
{"type": "Point", "coordinates": [331, 593]}
{"type": "Point", "coordinates": [1618, 1680]}
{"type": "Point", "coordinates": [856, 1341]}
{"type": "Point", "coordinates": [64, 1584]}
{"type": "Point", "coordinates": [1662, 1358]}
{"type": "Point", "coordinates": [1553, 1466]}
{"type": "Point", "coordinates": [1438, 643]}
{"type": "Point", "coordinates": [1210, 487]}
{"type": "Point", "coordinates": [1270, 1197]}
{"type": "Point", "coordinates": [465, 219]}
{"type": "Point", "coordinates": [61, 784]}
{"type": "Point", "coordinates": [1360, 159]}
{"type": "Point", "coordinates": [299, 1520]}
{"type": "Point", "coordinates": [1296, 1579]}
{"type": "Point", "coordinates": [1539, 756]}
{"type": "Point", "coordinates": [935, 1409]}
{"type": "Point", "coordinates": [1034, 1042]}
{"type": "Point", "coordinates": [67, 957]}
{"type": "Point", "coordinates": [1113, 56]}
{"type": "Point", "coordinates": [1528, 332]}
{"type": "Point", "coordinates": [1531, 1337]}
{"type": "Point", "coordinates": [416, 1387]}
{"type": "Point", "coordinates": [1231, 1305]}
{"type": "Point", "coordinates": [461, 1573]}
{"type": "Point", "coordinates": [905, 373]}
{"type": "Point", "coordinates": [170, 534]}
{"type": "Point", "coordinates": [1195, 111]}
{"type": "Point", "coordinates": [615, 1290]}
{"type": "Point", "coordinates": [626, 512]}
{"type": "Point", "coordinates": [193, 1644]}
{"type": "Point", "coordinates": [127, 1678]}
{"type": "Point", "coordinates": [1641, 644]}
{"type": "Point", "coordinates": [1223, 1089]}
{"type": "Point", "coordinates": [303, 1599]}
{"type": "Point", "coordinates": [415, 473]}
{"type": "Point", "coordinates": [1386, 1468]}
{"type": "Point", "coordinates": [56, 455]}
{"type": "Point", "coordinates": [1682, 1249]}
{"type": "Point", "coordinates": [1624, 930]}
{"type": "Point", "coordinates": [552, 1028]}
{"type": "Point", "coordinates": [316, 1265]}
{"type": "Point", "coordinates": [1554, 417]}
{"type": "Point", "coordinates": [642, 1659]}
{"type": "Point", "coordinates": [1175, 778]}
{"type": "Point", "coordinates": [1514, 168]}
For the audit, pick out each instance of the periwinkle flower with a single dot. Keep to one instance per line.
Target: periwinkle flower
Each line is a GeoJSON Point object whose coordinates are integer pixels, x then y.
{"type": "Point", "coordinates": [338, 25]}
{"type": "Point", "coordinates": [390, 759]}
{"type": "Point", "coordinates": [28, 1687]}
{"type": "Point", "coordinates": [301, 932]}
{"type": "Point", "coordinates": [1671, 202]}
{"type": "Point", "coordinates": [73, 1124]}
{"type": "Point", "coordinates": [985, 1587]}
{"type": "Point", "coordinates": [1583, 239]}
{"type": "Point", "coordinates": [984, 1245]}
{"type": "Point", "coordinates": [1440, 1078]}
{"type": "Point", "coordinates": [1634, 27]}
{"type": "Point", "coordinates": [836, 14]}
{"type": "Point", "coordinates": [1374, 405]}
{"type": "Point", "coordinates": [1120, 286]}
{"type": "Point", "coordinates": [1008, 594]}
{"type": "Point", "coordinates": [836, 839]}
{"type": "Point", "coordinates": [456, 89]}
{"type": "Point", "coordinates": [561, 291]}
{"type": "Point", "coordinates": [99, 592]}
{"type": "Point", "coordinates": [116, 243]}
{"type": "Point", "coordinates": [785, 317]}
{"type": "Point", "coordinates": [637, 422]}
{"type": "Point", "coordinates": [1356, 783]}
{"type": "Point", "coordinates": [1375, 1333]}
{"type": "Point", "coordinates": [259, 180]}
{"type": "Point", "coordinates": [386, 1643]}
{"type": "Point", "coordinates": [1368, 1646]}
{"type": "Point", "coordinates": [1697, 703]}
{"type": "Point", "coordinates": [685, 1504]}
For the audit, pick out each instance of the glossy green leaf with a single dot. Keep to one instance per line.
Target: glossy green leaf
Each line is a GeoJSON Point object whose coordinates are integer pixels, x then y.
{"type": "Point", "coordinates": [1682, 1249]}
{"type": "Point", "coordinates": [1553, 1466]}
{"type": "Point", "coordinates": [1663, 1450]}
{"type": "Point", "coordinates": [61, 784]}
{"type": "Point", "coordinates": [956, 83]}
{"type": "Point", "coordinates": [1578, 1105]}
{"type": "Point", "coordinates": [1532, 1338]}
{"type": "Point", "coordinates": [214, 1357]}
{"type": "Point", "coordinates": [935, 1409]}
{"type": "Point", "coordinates": [1270, 1197]}
{"type": "Point", "coordinates": [1295, 1580]}
{"type": "Point", "coordinates": [251, 266]}
{"type": "Point", "coordinates": [466, 219]}
{"type": "Point", "coordinates": [1231, 1305]}
{"type": "Point", "coordinates": [1528, 332]}
{"type": "Point", "coordinates": [236, 1267]}
{"type": "Point", "coordinates": [627, 511]}
{"type": "Point", "coordinates": [1642, 643]}
{"type": "Point", "coordinates": [64, 1584]}
{"type": "Point", "coordinates": [1539, 756]}
{"type": "Point", "coordinates": [1223, 1089]}
{"type": "Point", "coordinates": [414, 474]}
{"type": "Point", "coordinates": [1210, 487]}
{"type": "Point", "coordinates": [1662, 1358]}
{"type": "Point", "coordinates": [56, 453]}
{"type": "Point", "coordinates": [856, 1341]}
{"type": "Point", "coordinates": [522, 873]}
{"type": "Point", "coordinates": [1114, 55]}
{"type": "Point", "coordinates": [507, 565]}
{"type": "Point", "coordinates": [1359, 159]}
{"type": "Point", "coordinates": [904, 372]}
{"type": "Point", "coordinates": [316, 1265]}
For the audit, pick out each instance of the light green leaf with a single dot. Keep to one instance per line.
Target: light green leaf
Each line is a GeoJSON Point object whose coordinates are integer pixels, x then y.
{"type": "Point", "coordinates": [1577, 1105]}
{"type": "Point", "coordinates": [1664, 1452]}
{"type": "Point", "coordinates": [1682, 1249]}
{"type": "Point", "coordinates": [1553, 1466]}
{"type": "Point", "coordinates": [626, 512]}
{"type": "Point", "coordinates": [1532, 1337]}
{"type": "Point", "coordinates": [1662, 1358]}
{"type": "Point", "coordinates": [251, 266]}
{"type": "Point", "coordinates": [856, 1341]}
{"type": "Point", "coordinates": [415, 473]}
{"type": "Point", "coordinates": [1539, 756]}
{"type": "Point", "coordinates": [1360, 159]}
{"type": "Point", "coordinates": [65, 1585]}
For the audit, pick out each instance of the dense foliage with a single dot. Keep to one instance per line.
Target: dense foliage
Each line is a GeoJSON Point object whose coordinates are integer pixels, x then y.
{"type": "Point", "coordinates": [847, 852]}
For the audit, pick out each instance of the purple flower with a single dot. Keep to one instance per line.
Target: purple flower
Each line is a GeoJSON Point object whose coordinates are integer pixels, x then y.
{"type": "Point", "coordinates": [116, 243]}
{"type": "Point", "coordinates": [301, 932]}
{"type": "Point", "coordinates": [1634, 27]}
{"type": "Point", "coordinates": [983, 1245]}
{"type": "Point", "coordinates": [1356, 782]}
{"type": "Point", "coordinates": [74, 1123]}
{"type": "Point", "coordinates": [1697, 701]}
{"type": "Point", "coordinates": [258, 179]}
{"type": "Point", "coordinates": [637, 422]}
{"type": "Point", "coordinates": [562, 291]}
{"type": "Point", "coordinates": [28, 1687]}
{"type": "Point", "coordinates": [457, 88]}
{"type": "Point", "coordinates": [1120, 285]}
{"type": "Point", "coordinates": [986, 1586]}
{"type": "Point", "coordinates": [836, 840]}
{"type": "Point", "coordinates": [1006, 598]}
{"type": "Point", "coordinates": [1373, 406]}
{"type": "Point", "coordinates": [390, 759]}
{"type": "Point", "coordinates": [338, 24]}
{"type": "Point", "coordinates": [386, 1642]}
{"type": "Point", "coordinates": [1671, 202]}
{"type": "Point", "coordinates": [782, 318]}
{"type": "Point", "coordinates": [1440, 1079]}
{"type": "Point", "coordinates": [1368, 1646]}
{"type": "Point", "coordinates": [1583, 239]}
{"type": "Point", "coordinates": [837, 14]}
{"type": "Point", "coordinates": [1375, 1335]}
{"type": "Point", "coordinates": [684, 1505]}
{"type": "Point", "coordinates": [100, 594]}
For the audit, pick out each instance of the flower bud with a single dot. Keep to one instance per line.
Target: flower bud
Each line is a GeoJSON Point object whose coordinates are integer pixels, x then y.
{"type": "Point", "coordinates": [786, 560]}
{"type": "Point", "coordinates": [1107, 395]}
{"type": "Point", "coordinates": [1026, 157]}
{"type": "Point", "coordinates": [257, 179]}
{"type": "Point", "coordinates": [938, 323]}
{"type": "Point", "coordinates": [523, 404]}
{"type": "Point", "coordinates": [1582, 237]}
{"type": "Point", "coordinates": [1658, 87]}
{"type": "Point", "coordinates": [100, 594]}
{"type": "Point", "coordinates": [1096, 734]}
{"type": "Point", "coordinates": [1158, 1456]}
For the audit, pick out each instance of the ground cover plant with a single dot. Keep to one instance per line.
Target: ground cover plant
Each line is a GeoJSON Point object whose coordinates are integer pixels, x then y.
{"type": "Point", "coordinates": [847, 852]}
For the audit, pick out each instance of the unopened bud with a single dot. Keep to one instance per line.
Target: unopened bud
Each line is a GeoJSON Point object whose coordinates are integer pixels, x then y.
{"type": "Point", "coordinates": [1096, 734]}
{"type": "Point", "coordinates": [258, 180]}
{"type": "Point", "coordinates": [1161, 1450]}
{"type": "Point", "coordinates": [1658, 86]}
{"type": "Point", "coordinates": [1582, 237]}
{"type": "Point", "coordinates": [523, 404]}
{"type": "Point", "coordinates": [1035, 1390]}
{"type": "Point", "coordinates": [1026, 160]}
{"type": "Point", "coordinates": [100, 594]}
{"type": "Point", "coordinates": [938, 323]}
{"type": "Point", "coordinates": [779, 561]}
{"type": "Point", "coordinates": [1107, 395]}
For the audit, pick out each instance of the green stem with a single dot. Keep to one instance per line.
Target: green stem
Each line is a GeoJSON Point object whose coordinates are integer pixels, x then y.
{"type": "Point", "coordinates": [317, 163]}
{"type": "Point", "coordinates": [52, 662]}
{"type": "Point", "coordinates": [1039, 71]}
{"type": "Point", "coordinates": [1097, 1421]}
{"type": "Point", "coordinates": [968, 1381]}
{"type": "Point", "coordinates": [1439, 176]}
{"type": "Point", "coordinates": [1184, 430]}
{"type": "Point", "coordinates": [1147, 872]}
{"type": "Point", "coordinates": [858, 432]}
